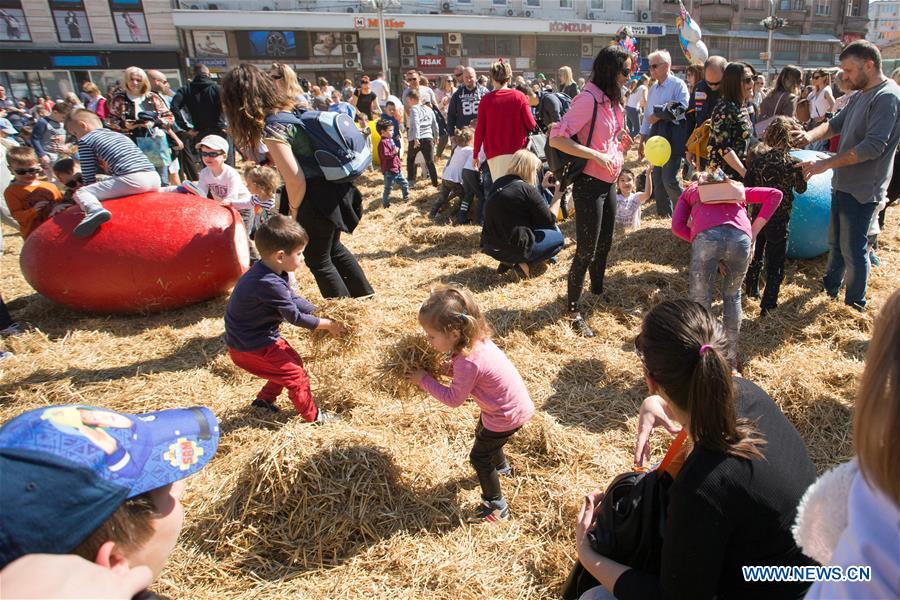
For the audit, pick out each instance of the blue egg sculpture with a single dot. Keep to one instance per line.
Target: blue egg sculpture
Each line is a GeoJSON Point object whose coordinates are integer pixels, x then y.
{"type": "Point", "coordinates": [808, 227]}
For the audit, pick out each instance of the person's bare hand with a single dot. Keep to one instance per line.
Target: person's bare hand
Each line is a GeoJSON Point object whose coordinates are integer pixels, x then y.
{"type": "Point", "coordinates": [800, 138]}
{"type": "Point", "coordinates": [653, 413]}
{"type": "Point", "coordinates": [336, 329]}
{"type": "Point", "coordinates": [68, 576]}
{"type": "Point", "coordinates": [415, 377]}
{"type": "Point", "coordinates": [603, 160]}
{"type": "Point", "coordinates": [586, 520]}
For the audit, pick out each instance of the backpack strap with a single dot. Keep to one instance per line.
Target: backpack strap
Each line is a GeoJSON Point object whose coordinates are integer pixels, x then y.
{"type": "Point", "coordinates": [673, 453]}
{"type": "Point", "coordinates": [285, 118]}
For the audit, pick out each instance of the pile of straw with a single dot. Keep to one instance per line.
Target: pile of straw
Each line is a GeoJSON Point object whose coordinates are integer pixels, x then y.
{"type": "Point", "coordinates": [373, 506]}
{"type": "Point", "coordinates": [410, 353]}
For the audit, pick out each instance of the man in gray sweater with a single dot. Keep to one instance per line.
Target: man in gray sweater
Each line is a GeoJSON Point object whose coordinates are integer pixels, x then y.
{"type": "Point", "coordinates": [870, 130]}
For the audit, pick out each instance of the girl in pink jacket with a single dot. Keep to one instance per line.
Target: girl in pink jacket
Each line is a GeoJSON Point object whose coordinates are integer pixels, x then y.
{"type": "Point", "coordinates": [454, 324]}
{"type": "Point", "coordinates": [722, 234]}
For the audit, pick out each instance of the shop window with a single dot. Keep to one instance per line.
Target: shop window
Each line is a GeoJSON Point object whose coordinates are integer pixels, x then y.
{"type": "Point", "coordinates": [507, 46]}
{"type": "Point", "coordinates": [71, 21]}
{"type": "Point", "coordinates": [130, 22]}
{"type": "Point", "coordinates": [429, 45]}
{"type": "Point", "coordinates": [564, 3]}
{"type": "Point", "coordinates": [596, 4]}
{"type": "Point", "coordinates": [13, 25]}
{"type": "Point", "coordinates": [627, 5]}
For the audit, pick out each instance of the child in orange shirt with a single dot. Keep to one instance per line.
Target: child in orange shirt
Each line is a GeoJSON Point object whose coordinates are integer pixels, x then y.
{"type": "Point", "coordinates": [30, 200]}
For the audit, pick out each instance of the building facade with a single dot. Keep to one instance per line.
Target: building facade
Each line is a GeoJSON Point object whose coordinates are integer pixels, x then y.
{"type": "Point", "coordinates": [50, 47]}
{"type": "Point", "coordinates": [815, 32]}
{"type": "Point", "coordinates": [884, 22]}
{"type": "Point", "coordinates": [339, 40]}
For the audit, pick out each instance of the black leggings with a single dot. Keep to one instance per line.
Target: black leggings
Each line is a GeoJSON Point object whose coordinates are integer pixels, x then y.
{"type": "Point", "coordinates": [772, 243]}
{"type": "Point", "coordinates": [487, 456]}
{"type": "Point", "coordinates": [426, 147]}
{"type": "Point", "coordinates": [334, 267]}
{"type": "Point", "coordinates": [595, 218]}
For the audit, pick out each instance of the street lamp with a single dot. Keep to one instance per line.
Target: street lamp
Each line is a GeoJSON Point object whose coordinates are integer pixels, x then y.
{"type": "Point", "coordinates": [771, 23]}
{"type": "Point", "coordinates": [380, 6]}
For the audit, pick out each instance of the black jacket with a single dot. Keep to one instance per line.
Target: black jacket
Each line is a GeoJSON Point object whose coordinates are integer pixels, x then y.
{"type": "Point", "coordinates": [463, 107]}
{"type": "Point", "coordinates": [201, 99]}
{"type": "Point", "coordinates": [703, 101]}
{"type": "Point", "coordinates": [512, 213]}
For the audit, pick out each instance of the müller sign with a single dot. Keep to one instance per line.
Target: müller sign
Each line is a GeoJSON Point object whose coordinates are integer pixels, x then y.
{"type": "Point", "coordinates": [563, 26]}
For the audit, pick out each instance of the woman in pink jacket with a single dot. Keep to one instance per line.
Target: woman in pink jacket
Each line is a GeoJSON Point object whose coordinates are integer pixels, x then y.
{"type": "Point", "coordinates": [593, 190]}
{"type": "Point", "coordinates": [722, 233]}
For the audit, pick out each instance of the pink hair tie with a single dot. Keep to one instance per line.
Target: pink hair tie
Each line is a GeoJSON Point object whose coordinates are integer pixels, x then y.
{"type": "Point", "coordinates": [704, 348]}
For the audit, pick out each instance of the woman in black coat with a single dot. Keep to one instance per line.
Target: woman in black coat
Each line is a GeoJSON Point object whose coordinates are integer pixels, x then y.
{"type": "Point", "coordinates": [519, 227]}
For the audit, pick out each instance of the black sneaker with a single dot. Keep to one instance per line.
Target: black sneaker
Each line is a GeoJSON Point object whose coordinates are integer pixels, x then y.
{"type": "Point", "coordinates": [489, 512]}
{"type": "Point", "coordinates": [582, 328]}
{"type": "Point", "coordinates": [503, 268]}
{"type": "Point", "coordinates": [269, 406]}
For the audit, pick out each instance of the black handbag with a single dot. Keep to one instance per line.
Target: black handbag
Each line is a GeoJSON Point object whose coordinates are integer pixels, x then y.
{"type": "Point", "coordinates": [566, 167]}
{"type": "Point", "coordinates": [630, 521]}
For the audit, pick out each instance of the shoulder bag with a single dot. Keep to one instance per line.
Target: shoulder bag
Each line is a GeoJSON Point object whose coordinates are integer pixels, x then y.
{"type": "Point", "coordinates": [630, 520]}
{"type": "Point", "coordinates": [566, 167]}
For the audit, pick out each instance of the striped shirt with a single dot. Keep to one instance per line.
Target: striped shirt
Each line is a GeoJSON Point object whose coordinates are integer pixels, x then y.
{"type": "Point", "coordinates": [110, 152]}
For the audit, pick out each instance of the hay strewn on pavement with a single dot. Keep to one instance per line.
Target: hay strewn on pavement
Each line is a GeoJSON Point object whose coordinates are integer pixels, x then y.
{"type": "Point", "coordinates": [372, 506]}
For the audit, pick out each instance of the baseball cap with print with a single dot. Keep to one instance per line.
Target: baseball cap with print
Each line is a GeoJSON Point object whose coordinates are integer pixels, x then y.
{"type": "Point", "coordinates": [64, 470]}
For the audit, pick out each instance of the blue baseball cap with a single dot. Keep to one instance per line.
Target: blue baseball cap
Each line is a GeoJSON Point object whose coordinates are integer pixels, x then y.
{"type": "Point", "coordinates": [64, 470]}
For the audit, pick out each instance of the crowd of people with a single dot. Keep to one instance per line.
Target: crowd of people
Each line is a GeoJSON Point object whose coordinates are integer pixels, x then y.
{"type": "Point", "coordinates": [745, 470]}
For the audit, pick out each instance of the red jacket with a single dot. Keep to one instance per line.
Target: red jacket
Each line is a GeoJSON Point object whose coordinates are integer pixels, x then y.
{"type": "Point", "coordinates": [504, 122]}
{"type": "Point", "coordinates": [388, 156]}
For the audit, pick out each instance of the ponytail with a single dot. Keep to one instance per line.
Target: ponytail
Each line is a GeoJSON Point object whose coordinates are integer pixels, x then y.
{"type": "Point", "coordinates": [712, 408]}
{"type": "Point", "coordinates": [684, 350]}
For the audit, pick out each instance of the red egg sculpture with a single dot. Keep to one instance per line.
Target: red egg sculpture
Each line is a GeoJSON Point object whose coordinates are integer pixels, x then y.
{"type": "Point", "coordinates": [159, 251]}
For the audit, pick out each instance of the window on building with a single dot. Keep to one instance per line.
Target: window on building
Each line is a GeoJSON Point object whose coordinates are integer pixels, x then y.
{"type": "Point", "coordinates": [792, 5]}
{"type": "Point", "coordinates": [464, 1]}
{"type": "Point", "coordinates": [565, 3]}
{"type": "Point", "coordinates": [627, 5]}
{"type": "Point", "coordinates": [823, 8]}
{"type": "Point", "coordinates": [71, 21]}
{"type": "Point", "coordinates": [596, 4]}
{"type": "Point", "coordinates": [131, 24]}
{"type": "Point", "coordinates": [13, 25]}
{"type": "Point", "coordinates": [853, 9]}
{"type": "Point", "coordinates": [532, 3]}
{"type": "Point", "coordinates": [756, 4]}
{"type": "Point", "coordinates": [498, 2]}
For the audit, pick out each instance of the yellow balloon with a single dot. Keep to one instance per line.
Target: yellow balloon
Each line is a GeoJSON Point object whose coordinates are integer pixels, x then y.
{"type": "Point", "coordinates": [376, 138]}
{"type": "Point", "coordinates": [657, 150]}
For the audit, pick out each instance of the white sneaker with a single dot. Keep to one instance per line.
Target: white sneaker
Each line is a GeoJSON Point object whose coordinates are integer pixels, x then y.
{"type": "Point", "coordinates": [326, 417]}
{"type": "Point", "coordinates": [91, 222]}
{"type": "Point", "coordinates": [12, 330]}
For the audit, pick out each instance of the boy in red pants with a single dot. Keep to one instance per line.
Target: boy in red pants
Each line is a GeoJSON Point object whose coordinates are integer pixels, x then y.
{"type": "Point", "coordinates": [260, 301]}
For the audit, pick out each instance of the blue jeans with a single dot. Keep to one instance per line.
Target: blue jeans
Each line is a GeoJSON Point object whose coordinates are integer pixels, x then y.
{"type": "Point", "coordinates": [848, 247]}
{"type": "Point", "coordinates": [633, 120]}
{"type": "Point", "coordinates": [732, 247]}
{"type": "Point", "coordinates": [547, 244]}
{"type": "Point", "coordinates": [389, 180]}
{"type": "Point", "coordinates": [667, 186]}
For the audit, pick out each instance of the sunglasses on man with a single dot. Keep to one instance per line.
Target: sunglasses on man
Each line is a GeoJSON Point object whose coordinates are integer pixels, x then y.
{"type": "Point", "coordinates": [29, 171]}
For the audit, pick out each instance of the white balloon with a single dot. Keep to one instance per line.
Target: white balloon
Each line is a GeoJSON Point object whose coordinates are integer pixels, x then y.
{"type": "Point", "coordinates": [698, 51]}
{"type": "Point", "coordinates": [691, 32]}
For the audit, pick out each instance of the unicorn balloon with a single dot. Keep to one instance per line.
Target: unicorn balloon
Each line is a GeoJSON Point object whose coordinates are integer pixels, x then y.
{"type": "Point", "coordinates": [689, 35]}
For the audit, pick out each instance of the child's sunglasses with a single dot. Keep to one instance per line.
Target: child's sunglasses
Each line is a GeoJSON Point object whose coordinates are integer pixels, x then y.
{"type": "Point", "coordinates": [211, 154]}
{"type": "Point", "coordinates": [29, 171]}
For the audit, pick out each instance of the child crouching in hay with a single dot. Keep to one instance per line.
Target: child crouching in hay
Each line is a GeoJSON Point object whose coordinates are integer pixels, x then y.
{"type": "Point", "coordinates": [261, 300]}
{"type": "Point", "coordinates": [453, 323]}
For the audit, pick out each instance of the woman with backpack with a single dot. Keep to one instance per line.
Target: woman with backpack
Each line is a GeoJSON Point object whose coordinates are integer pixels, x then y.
{"type": "Point", "coordinates": [735, 496]}
{"type": "Point", "coordinates": [259, 111]}
{"type": "Point", "coordinates": [594, 129]}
